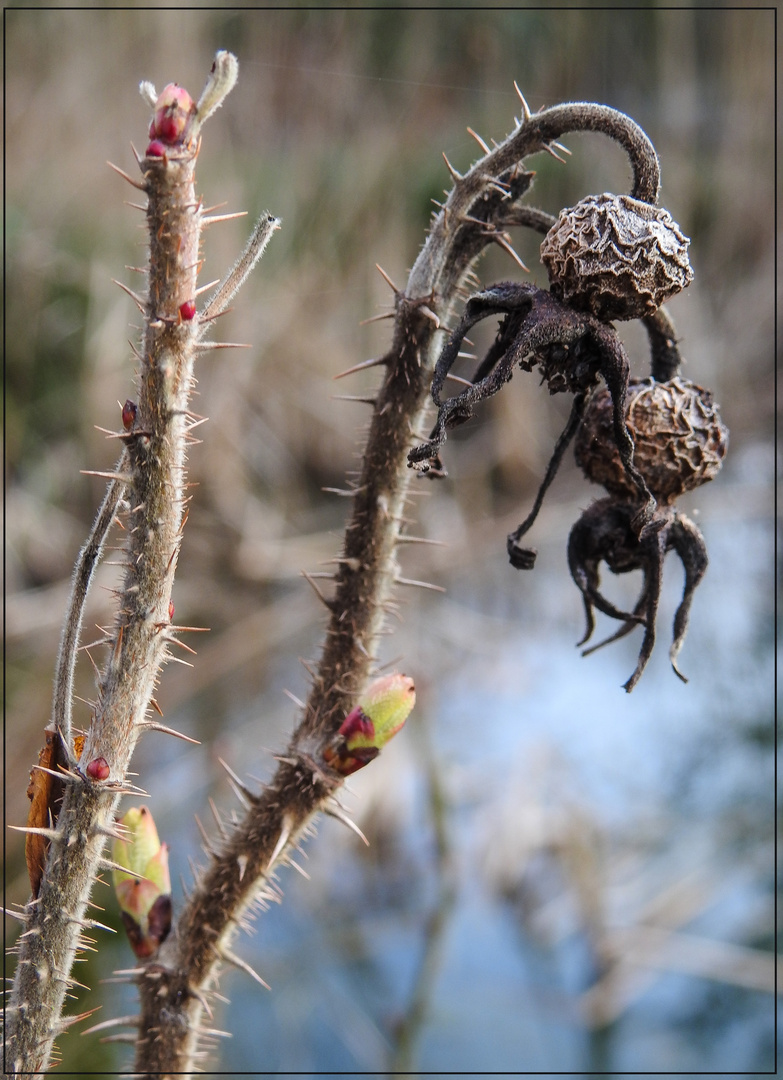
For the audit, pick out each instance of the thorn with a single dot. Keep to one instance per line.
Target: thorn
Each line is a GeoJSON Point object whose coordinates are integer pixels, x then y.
{"type": "Point", "coordinates": [208, 848]}
{"type": "Point", "coordinates": [109, 864]}
{"type": "Point", "coordinates": [66, 1021]}
{"type": "Point", "coordinates": [210, 346]}
{"type": "Point", "coordinates": [340, 816]}
{"type": "Point", "coordinates": [479, 140]}
{"type": "Point", "coordinates": [507, 247]}
{"type": "Point", "coordinates": [124, 175]}
{"type": "Point", "coordinates": [215, 218]}
{"type": "Point", "coordinates": [217, 817]}
{"type": "Point", "coordinates": [387, 279]}
{"type": "Point", "coordinates": [296, 866]}
{"type": "Point", "coordinates": [353, 397]}
{"type": "Point", "coordinates": [309, 579]}
{"type": "Point", "coordinates": [429, 314]}
{"type": "Point", "coordinates": [19, 915]}
{"type": "Point", "coordinates": [117, 832]}
{"type": "Point", "coordinates": [346, 493]}
{"type": "Point", "coordinates": [405, 539]}
{"type": "Point", "coordinates": [553, 153]}
{"type": "Point", "coordinates": [361, 367]}
{"type": "Point", "coordinates": [300, 704]}
{"type": "Point", "coordinates": [455, 176]}
{"type": "Point", "coordinates": [178, 660]}
{"type": "Point", "coordinates": [285, 835]}
{"type": "Point", "coordinates": [242, 965]}
{"type": "Point", "coordinates": [139, 301]}
{"type": "Point", "coordinates": [458, 379]}
{"type": "Point", "coordinates": [152, 725]}
{"type": "Point", "coordinates": [376, 318]}
{"type": "Point", "coordinates": [247, 797]}
{"type": "Point", "coordinates": [525, 107]}
{"type": "Point", "coordinates": [419, 584]}
{"type": "Point", "coordinates": [123, 478]}
{"type": "Point", "coordinates": [181, 644]}
{"type": "Point", "coordinates": [50, 834]}
{"type": "Point", "coordinates": [119, 1021]}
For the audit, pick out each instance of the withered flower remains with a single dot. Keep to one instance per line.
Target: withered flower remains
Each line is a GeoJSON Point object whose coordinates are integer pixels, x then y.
{"type": "Point", "coordinates": [610, 257]}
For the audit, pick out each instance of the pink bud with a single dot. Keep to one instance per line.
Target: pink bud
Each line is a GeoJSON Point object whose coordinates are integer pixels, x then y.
{"type": "Point", "coordinates": [174, 111]}
{"type": "Point", "coordinates": [156, 149]}
{"type": "Point", "coordinates": [129, 410]}
{"type": "Point", "coordinates": [187, 310]}
{"type": "Point", "coordinates": [171, 610]}
{"type": "Point", "coordinates": [98, 769]}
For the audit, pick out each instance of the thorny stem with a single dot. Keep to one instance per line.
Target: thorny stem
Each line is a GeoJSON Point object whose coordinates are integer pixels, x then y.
{"type": "Point", "coordinates": [240, 873]}
{"type": "Point", "coordinates": [152, 470]}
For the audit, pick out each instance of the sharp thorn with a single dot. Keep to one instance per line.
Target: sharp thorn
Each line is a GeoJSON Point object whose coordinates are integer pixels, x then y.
{"type": "Point", "coordinates": [124, 175]}
{"type": "Point", "coordinates": [340, 816]}
{"type": "Point", "coordinates": [309, 579]}
{"type": "Point", "coordinates": [119, 1021]}
{"type": "Point", "coordinates": [479, 140]}
{"type": "Point", "coordinates": [525, 107]}
{"type": "Point", "coordinates": [242, 965]}
{"type": "Point", "coordinates": [429, 314]}
{"type": "Point", "coordinates": [213, 219]}
{"type": "Point", "coordinates": [553, 153]}
{"type": "Point", "coordinates": [376, 318]}
{"type": "Point", "coordinates": [507, 247]}
{"type": "Point", "coordinates": [404, 539]}
{"type": "Point", "coordinates": [211, 346]}
{"type": "Point", "coordinates": [50, 834]}
{"type": "Point", "coordinates": [247, 793]}
{"type": "Point", "coordinates": [282, 840]}
{"type": "Point", "coordinates": [454, 174]}
{"type": "Point", "coordinates": [387, 279]}
{"type": "Point", "coordinates": [361, 367]}
{"type": "Point", "coordinates": [152, 725]}
{"type": "Point", "coordinates": [139, 301]}
{"type": "Point", "coordinates": [419, 584]}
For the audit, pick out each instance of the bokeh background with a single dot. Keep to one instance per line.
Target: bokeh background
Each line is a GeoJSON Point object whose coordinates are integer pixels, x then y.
{"type": "Point", "coordinates": [561, 876]}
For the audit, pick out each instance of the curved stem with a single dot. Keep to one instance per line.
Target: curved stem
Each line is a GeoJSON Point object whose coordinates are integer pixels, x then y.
{"type": "Point", "coordinates": [665, 356]}
{"type": "Point", "coordinates": [585, 116]}
{"type": "Point", "coordinates": [83, 573]}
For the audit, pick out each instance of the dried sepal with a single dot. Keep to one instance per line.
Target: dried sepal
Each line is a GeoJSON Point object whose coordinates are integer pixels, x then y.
{"type": "Point", "coordinates": [605, 533]}
{"type": "Point", "coordinates": [679, 439]}
{"type": "Point", "coordinates": [379, 714]}
{"type": "Point", "coordinates": [616, 257]}
{"type": "Point", "coordinates": [45, 793]}
{"type": "Point", "coordinates": [145, 902]}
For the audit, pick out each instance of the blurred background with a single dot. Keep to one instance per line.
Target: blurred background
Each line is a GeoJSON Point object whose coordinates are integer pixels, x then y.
{"type": "Point", "coordinates": [561, 877]}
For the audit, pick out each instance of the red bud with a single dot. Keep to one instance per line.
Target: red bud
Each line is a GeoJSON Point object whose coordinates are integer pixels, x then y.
{"type": "Point", "coordinates": [98, 769]}
{"type": "Point", "coordinates": [174, 111]}
{"type": "Point", "coordinates": [187, 310]}
{"type": "Point", "coordinates": [129, 410]}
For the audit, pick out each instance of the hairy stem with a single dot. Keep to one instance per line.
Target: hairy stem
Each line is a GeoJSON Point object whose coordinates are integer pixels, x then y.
{"type": "Point", "coordinates": [152, 471]}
